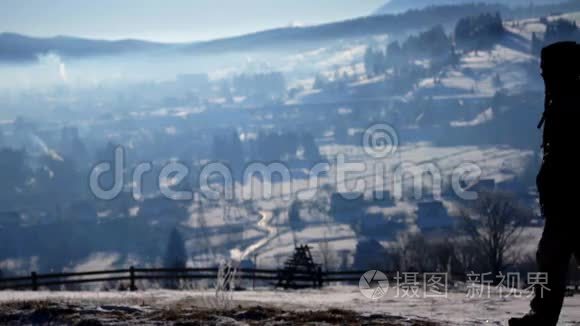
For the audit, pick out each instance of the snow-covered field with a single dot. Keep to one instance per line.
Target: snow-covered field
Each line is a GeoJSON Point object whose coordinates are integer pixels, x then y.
{"type": "Point", "coordinates": [456, 309]}
{"type": "Point", "coordinates": [499, 163]}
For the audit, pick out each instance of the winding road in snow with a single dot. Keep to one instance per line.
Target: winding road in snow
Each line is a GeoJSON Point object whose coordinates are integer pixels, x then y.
{"type": "Point", "coordinates": [263, 224]}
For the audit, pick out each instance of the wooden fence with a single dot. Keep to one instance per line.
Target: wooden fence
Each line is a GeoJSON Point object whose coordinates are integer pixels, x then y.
{"type": "Point", "coordinates": [272, 277]}
{"type": "Point", "coordinates": [36, 281]}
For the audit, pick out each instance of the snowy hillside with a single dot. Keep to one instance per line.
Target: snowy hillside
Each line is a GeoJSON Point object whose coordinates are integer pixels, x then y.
{"type": "Point", "coordinates": [398, 6]}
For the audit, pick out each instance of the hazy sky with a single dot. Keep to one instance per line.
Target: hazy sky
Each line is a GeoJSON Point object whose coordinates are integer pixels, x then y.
{"type": "Point", "coordinates": [170, 20]}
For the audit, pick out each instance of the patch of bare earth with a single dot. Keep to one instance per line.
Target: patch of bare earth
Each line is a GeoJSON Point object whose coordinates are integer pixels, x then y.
{"type": "Point", "coordinates": [52, 313]}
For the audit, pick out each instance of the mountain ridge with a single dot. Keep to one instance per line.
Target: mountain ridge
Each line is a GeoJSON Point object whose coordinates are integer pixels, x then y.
{"type": "Point", "coordinates": [21, 48]}
{"type": "Point", "coordinates": [400, 6]}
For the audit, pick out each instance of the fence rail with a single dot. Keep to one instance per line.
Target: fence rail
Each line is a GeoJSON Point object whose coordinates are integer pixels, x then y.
{"type": "Point", "coordinates": [318, 278]}
{"type": "Point", "coordinates": [36, 281]}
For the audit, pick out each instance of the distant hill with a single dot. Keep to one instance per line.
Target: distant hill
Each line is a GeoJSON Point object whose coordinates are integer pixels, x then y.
{"type": "Point", "coordinates": [363, 26]}
{"type": "Point", "coordinates": [400, 6]}
{"type": "Point", "coordinates": [20, 48]}
{"type": "Point", "coordinates": [412, 20]}
{"type": "Point", "coordinates": [17, 48]}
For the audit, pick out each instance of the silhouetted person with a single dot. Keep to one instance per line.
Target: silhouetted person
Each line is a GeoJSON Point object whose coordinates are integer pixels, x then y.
{"type": "Point", "coordinates": [557, 181]}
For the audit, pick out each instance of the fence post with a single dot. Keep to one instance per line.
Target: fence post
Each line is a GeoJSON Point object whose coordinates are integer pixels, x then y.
{"type": "Point", "coordinates": [254, 271]}
{"type": "Point", "coordinates": [254, 279]}
{"type": "Point", "coordinates": [34, 278]}
{"type": "Point", "coordinates": [132, 286]}
{"type": "Point", "coordinates": [577, 278]}
{"type": "Point", "coordinates": [319, 277]}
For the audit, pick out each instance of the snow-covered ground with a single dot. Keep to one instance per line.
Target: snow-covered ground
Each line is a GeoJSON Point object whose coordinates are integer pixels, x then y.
{"type": "Point", "coordinates": [497, 162]}
{"type": "Point", "coordinates": [456, 309]}
{"type": "Point", "coordinates": [276, 244]}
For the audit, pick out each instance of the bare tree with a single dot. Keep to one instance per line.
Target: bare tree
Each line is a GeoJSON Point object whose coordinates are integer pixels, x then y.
{"type": "Point", "coordinates": [205, 245]}
{"type": "Point", "coordinates": [494, 224]}
{"type": "Point", "coordinates": [327, 253]}
{"type": "Point", "coordinates": [415, 252]}
{"type": "Point", "coordinates": [175, 257]}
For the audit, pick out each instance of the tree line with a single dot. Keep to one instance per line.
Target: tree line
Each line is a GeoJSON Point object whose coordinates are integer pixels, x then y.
{"type": "Point", "coordinates": [471, 33]}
